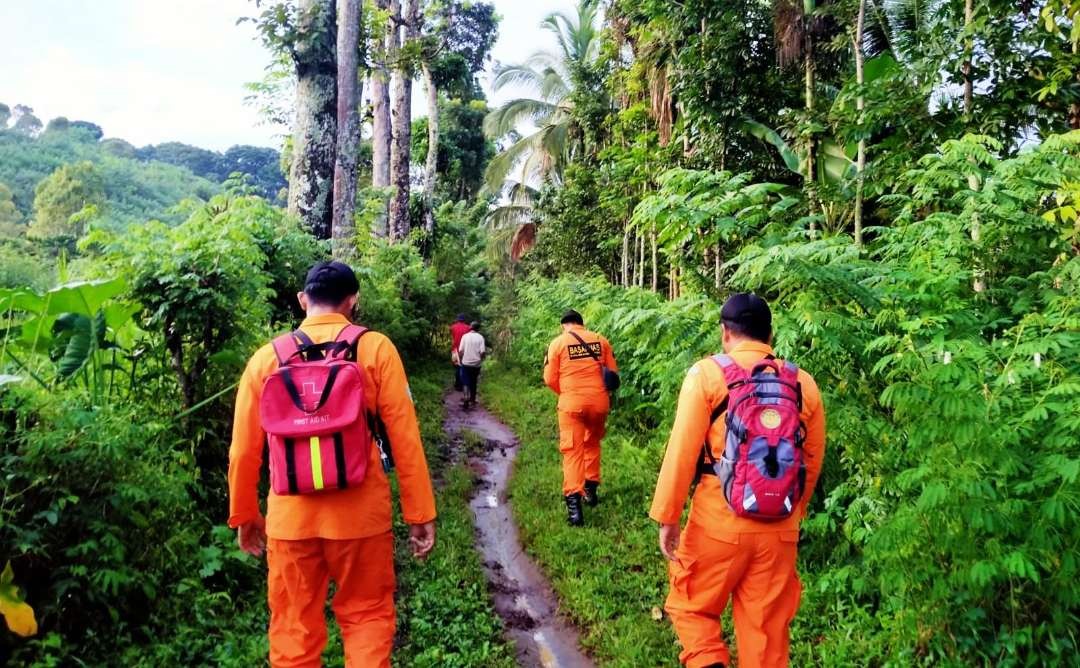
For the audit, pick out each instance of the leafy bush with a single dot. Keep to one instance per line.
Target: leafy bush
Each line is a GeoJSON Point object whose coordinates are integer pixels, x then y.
{"type": "Point", "coordinates": [212, 285]}
{"type": "Point", "coordinates": [103, 530]}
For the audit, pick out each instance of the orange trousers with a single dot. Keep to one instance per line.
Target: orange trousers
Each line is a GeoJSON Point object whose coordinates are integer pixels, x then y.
{"type": "Point", "coordinates": [754, 570]}
{"type": "Point", "coordinates": [580, 433]}
{"type": "Point", "coordinates": [300, 573]}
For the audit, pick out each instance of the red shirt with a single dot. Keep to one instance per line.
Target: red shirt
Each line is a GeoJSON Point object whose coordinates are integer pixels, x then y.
{"type": "Point", "coordinates": [458, 330]}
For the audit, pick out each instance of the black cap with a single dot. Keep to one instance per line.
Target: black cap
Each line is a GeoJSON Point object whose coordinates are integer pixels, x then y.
{"type": "Point", "coordinates": [572, 316]}
{"type": "Point", "coordinates": [749, 310]}
{"type": "Point", "coordinates": [331, 283]}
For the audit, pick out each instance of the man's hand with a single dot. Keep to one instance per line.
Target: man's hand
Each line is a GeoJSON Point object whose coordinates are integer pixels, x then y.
{"type": "Point", "coordinates": [422, 539]}
{"type": "Point", "coordinates": [669, 540]}
{"type": "Point", "coordinates": [252, 536]}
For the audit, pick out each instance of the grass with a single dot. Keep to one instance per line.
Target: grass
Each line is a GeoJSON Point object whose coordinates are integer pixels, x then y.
{"type": "Point", "coordinates": [609, 576]}
{"type": "Point", "coordinates": [445, 614]}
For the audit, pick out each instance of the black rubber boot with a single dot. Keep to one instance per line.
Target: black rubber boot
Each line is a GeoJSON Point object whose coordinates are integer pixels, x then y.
{"type": "Point", "coordinates": [591, 497]}
{"type": "Point", "coordinates": [575, 516]}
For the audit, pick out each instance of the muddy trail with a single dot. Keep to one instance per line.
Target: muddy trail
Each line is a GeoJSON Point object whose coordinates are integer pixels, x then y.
{"type": "Point", "coordinates": [522, 595]}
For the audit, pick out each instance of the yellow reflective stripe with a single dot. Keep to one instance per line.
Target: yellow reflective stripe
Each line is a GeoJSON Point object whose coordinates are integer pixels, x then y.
{"type": "Point", "coordinates": [316, 463]}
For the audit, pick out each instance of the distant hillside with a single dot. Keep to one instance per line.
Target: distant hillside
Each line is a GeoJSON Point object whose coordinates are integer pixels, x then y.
{"type": "Point", "coordinates": [140, 183]}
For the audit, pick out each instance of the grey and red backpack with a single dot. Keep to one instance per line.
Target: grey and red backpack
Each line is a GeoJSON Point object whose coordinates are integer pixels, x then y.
{"type": "Point", "coordinates": [761, 469]}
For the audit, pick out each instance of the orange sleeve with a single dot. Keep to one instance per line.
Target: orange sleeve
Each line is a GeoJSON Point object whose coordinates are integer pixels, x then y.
{"type": "Point", "coordinates": [398, 413]}
{"type": "Point", "coordinates": [609, 355]}
{"type": "Point", "coordinates": [683, 450]}
{"type": "Point", "coordinates": [814, 447]}
{"type": "Point", "coordinates": [551, 365]}
{"type": "Point", "coordinates": [246, 450]}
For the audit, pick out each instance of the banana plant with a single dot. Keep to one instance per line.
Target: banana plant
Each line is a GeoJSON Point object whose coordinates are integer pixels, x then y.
{"type": "Point", "coordinates": [80, 327]}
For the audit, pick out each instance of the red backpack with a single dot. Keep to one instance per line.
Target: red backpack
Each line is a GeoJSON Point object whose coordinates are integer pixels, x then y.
{"type": "Point", "coordinates": [762, 470]}
{"type": "Point", "coordinates": [314, 414]}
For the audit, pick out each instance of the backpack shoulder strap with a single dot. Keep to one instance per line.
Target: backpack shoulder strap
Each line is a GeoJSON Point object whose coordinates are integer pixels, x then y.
{"type": "Point", "coordinates": [347, 339]}
{"type": "Point", "coordinates": [734, 375]}
{"type": "Point", "coordinates": [589, 350]}
{"type": "Point", "coordinates": [789, 373]}
{"type": "Point", "coordinates": [286, 346]}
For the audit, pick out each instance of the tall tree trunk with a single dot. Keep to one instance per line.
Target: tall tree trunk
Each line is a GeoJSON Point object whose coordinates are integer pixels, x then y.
{"type": "Point", "coordinates": [380, 116]}
{"type": "Point", "coordinates": [380, 112]}
{"type": "Point", "coordinates": [626, 256]}
{"type": "Point", "coordinates": [641, 261]}
{"type": "Point", "coordinates": [311, 176]}
{"type": "Point", "coordinates": [860, 106]}
{"type": "Point", "coordinates": [348, 127]}
{"type": "Point", "coordinates": [401, 119]}
{"type": "Point", "coordinates": [655, 276]}
{"type": "Point", "coordinates": [969, 49]}
{"type": "Point", "coordinates": [716, 266]}
{"type": "Point", "coordinates": [432, 162]}
{"type": "Point", "coordinates": [809, 7]}
{"type": "Point", "coordinates": [978, 283]}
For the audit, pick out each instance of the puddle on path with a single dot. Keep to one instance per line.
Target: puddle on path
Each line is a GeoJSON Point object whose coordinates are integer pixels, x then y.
{"type": "Point", "coordinates": [522, 596]}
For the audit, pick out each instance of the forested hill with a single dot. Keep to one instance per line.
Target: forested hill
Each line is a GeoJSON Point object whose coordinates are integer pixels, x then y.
{"type": "Point", "coordinates": [136, 184]}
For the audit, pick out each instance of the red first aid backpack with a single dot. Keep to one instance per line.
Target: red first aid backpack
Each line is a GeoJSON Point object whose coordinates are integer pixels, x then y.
{"type": "Point", "coordinates": [761, 470]}
{"type": "Point", "coordinates": [313, 411]}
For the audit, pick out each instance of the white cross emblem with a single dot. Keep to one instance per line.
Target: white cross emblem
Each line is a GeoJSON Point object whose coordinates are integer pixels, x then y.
{"type": "Point", "coordinates": [304, 389]}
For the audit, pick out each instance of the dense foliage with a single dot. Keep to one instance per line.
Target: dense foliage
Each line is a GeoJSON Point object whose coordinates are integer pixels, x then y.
{"type": "Point", "coordinates": [115, 424]}
{"type": "Point", "coordinates": [941, 532]}
{"type": "Point", "coordinates": [900, 180]}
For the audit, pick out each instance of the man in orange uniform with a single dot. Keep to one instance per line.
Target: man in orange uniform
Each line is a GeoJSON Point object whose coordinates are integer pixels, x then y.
{"type": "Point", "coordinates": [720, 556]}
{"type": "Point", "coordinates": [572, 368]}
{"type": "Point", "coordinates": [342, 535]}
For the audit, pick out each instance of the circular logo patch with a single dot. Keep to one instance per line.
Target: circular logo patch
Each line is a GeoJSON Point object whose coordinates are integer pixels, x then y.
{"type": "Point", "coordinates": [770, 419]}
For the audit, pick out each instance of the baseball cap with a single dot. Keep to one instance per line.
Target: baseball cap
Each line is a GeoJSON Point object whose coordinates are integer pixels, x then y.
{"type": "Point", "coordinates": [746, 308]}
{"type": "Point", "coordinates": [331, 282]}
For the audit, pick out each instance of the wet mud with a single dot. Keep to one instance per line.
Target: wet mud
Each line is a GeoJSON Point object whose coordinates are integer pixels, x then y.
{"type": "Point", "coordinates": [522, 596]}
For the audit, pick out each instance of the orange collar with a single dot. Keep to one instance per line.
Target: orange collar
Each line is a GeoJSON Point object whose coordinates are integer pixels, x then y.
{"type": "Point", "coordinates": [753, 347]}
{"type": "Point", "coordinates": [325, 319]}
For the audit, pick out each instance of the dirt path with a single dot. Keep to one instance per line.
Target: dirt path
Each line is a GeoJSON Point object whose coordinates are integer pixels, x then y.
{"type": "Point", "coordinates": [522, 595]}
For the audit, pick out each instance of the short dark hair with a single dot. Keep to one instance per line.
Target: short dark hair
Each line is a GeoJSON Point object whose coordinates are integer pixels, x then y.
{"type": "Point", "coordinates": [572, 317]}
{"type": "Point", "coordinates": [745, 314]}
{"type": "Point", "coordinates": [330, 283]}
{"type": "Point", "coordinates": [475, 326]}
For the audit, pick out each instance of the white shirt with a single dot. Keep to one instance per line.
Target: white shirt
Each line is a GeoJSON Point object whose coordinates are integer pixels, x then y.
{"type": "Point", "coordinates": [471, 349]}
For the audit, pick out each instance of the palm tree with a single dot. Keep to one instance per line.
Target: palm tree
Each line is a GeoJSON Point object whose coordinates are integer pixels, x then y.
{"type": "Point", "coordinates": [512, 223]}
{"type": "Point", "coordinates": [545, 152]}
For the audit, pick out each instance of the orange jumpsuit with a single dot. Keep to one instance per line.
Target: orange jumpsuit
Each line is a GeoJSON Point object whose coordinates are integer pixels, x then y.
{"type": "Point", "coordinates": [343, 535]}
{"type": "Point", "coordinates": [584, 403]}
{"type": "Point", "coordinates": [721, 556]}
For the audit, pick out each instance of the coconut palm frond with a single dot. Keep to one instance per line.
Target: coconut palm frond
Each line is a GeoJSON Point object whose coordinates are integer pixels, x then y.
{"type": "Point", "coordinates": [555, 142]}
{"type": "Point", "coordinates": [522, 75]}
{"type": "Point", "coordinates": [504, 162]}
{"type": "Point", "coordinates": [876, 37]}
{"type": "Point", "coordinates": [912, 24]}
{"type": "Point", "coordinates": [522, 193]}
{"type": "Point", "coordinates": [555, 86]}
{"type": "Point", "coordinates": [501, 121]}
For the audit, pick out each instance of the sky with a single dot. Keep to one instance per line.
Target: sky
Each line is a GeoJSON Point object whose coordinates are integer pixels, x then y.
{"type": "Point", "coordinates": [151, 71]}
